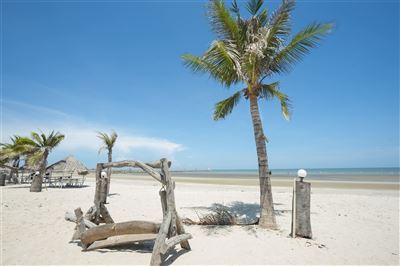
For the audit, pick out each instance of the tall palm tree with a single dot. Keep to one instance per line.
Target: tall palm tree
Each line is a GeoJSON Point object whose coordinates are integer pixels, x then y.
{"type": "Point", "coordinates": [108, 142]}
{"type": "Point", "coordinates": [247, 52]}
{"type": "Point", "coordinates": [37, 148]}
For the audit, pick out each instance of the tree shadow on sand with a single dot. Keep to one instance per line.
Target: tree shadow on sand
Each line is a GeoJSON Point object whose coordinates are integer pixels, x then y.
{"type": "Point", "coordinates": [142, 247]}
{"type": "Point", "coordinates": [248, 211]}
{"type": "Point", "coordinates": [247, 214]}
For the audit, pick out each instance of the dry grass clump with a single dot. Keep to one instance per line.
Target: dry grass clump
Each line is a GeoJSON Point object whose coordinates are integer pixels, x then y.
{"type": "Point", "coordinates": [219, 216]}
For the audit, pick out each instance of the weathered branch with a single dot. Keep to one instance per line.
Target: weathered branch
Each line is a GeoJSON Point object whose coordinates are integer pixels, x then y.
{"type": "Point", "coordinates": [160, 241]}
{"type": "Point", "coordinates": [125, 228]}
{"type": "Point", "coordinates": [171, 242]}
{"type": "Point", "coordinates": [119, 240]}
{"type": "Point", "coordinates": [147, 167]}
{"type": "Point", "coordinates": [80, 224]}
{"type": "Point", "coordinates": [72, 218]}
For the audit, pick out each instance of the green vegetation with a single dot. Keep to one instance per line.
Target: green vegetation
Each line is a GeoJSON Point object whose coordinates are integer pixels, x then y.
{"type": "Point", "coordinates": [247, 52]}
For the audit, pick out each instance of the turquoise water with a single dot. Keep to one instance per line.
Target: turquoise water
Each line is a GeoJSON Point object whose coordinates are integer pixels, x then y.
{"type": "Point", "coordinates": [389, 174]}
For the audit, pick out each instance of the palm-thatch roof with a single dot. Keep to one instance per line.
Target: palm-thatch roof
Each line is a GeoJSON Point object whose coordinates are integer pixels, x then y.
{"type": "Point", "coordinates": [69, 164]}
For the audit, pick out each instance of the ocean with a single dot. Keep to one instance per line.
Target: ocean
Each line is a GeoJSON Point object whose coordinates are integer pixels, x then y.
{"type": "Point", "coordinates": [387, 174]}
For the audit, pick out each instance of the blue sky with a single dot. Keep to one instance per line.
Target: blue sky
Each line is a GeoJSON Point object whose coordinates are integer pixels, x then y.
{"type": "Point", "coordinates": [78, 67]}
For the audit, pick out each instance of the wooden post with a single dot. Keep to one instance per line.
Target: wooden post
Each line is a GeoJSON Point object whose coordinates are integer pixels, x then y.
{"type": "Point", "coordinates": [301, 205]}
{"type": "Point", "coordinates": [103, 189]}
{"type": "Point", "coordinates": [170, 196]}
{"type": "Point", "coordinates": [160, 241]}
{"type": "Point", "coordinates": [163, 197]}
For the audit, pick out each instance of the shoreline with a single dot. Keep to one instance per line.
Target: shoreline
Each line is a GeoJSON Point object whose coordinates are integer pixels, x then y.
{"type": "Point", "coordinates": [287, 182]}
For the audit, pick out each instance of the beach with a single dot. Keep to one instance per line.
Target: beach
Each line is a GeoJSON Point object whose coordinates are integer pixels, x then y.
{"type": "Point", "coordinates": [351, 225]}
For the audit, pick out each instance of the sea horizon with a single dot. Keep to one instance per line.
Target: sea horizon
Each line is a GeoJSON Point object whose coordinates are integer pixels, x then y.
{"type": "Point", "coordinates": [357, 174]}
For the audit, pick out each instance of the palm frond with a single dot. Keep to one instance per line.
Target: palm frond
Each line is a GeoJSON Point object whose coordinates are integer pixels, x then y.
{"type": "Point", "coordinates": [225, 107]}
{"type": "Point", "coordinates": [222, 23]}
{"type": "Point", "coordinates": [221, 61]}
{"type": "Point", "coordinates": [253, 6]}
{"type": "Point", "coordinates": [270, 91]}
{"type": "Point", "coordinates": [278, 27]}
{"type": "Point", "coordinates": [235, 8]}
{"type": "Point", "coordinates": [263, 17]}
{"type": "Point", "coordinates": [35, 158]}
{"type": "Point", "coordinates": [37, 138]}
{"type": "Point", "coordinates": [299, 46]}
{"type": "Point", "coordinates": [54, 140]}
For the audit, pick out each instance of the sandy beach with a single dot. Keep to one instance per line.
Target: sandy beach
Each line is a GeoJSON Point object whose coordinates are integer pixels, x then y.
{"type": "Point", "coordinates": [350, 226]}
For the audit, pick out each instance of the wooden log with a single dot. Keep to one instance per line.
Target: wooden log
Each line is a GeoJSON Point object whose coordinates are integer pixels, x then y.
{"type": "Point", "coordinates": [80, 225]}
{"type": "Point", "coordinates": [103, 189]}
{"type": "Point", "coordinates": [160, 241]}
{"type": "Point", "coordinates": [72, 218]}
{"type": "Point", "coordinates": [171, 242]}
{"type": "Point", "coordinates": [181, 230]}
{"type": "Point", "coordinates": [131, 163]}
{"type": "Point", "coordinates": [145, 167]}
{"type": "Point", "coordinates": [125, 228]}
{"type": "Point", "coordinates": [301, 222]}
{"type": "Point", "coordinates": [120, 240]}
{"type": "Point", "coordinates": [98, 185]}
{"type": "Point", "coordinates": [170, 196]}
{"type": "Point", "coordinates": [91, 213]}
{"type": "Point", "coordinates": [105, 214]}
{"type": "Point", "coordinates": [163, 197]}
{"type": "Point", "coordinates": [97, 193]}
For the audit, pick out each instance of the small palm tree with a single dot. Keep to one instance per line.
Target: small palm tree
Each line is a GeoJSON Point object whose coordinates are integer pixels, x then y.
{"type": "Point", "coordinates": [37, 149]}
{"type": "Point", "coordinates": [108, 142]}
{"type": "Point", "coordinates": [247, 52]}
{"type": "Point", "coordinates": [9, 154]}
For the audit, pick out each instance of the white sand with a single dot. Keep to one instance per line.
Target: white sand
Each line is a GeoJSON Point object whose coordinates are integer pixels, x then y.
{"type": "Point", "coordinates": [349, 226]}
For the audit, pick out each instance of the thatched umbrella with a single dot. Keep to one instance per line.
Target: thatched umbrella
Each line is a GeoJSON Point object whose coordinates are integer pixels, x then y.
{"type": "Point", "coordinates": [69, 164]}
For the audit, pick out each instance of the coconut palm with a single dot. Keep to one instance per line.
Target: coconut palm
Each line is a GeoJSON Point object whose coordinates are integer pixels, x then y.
{"type": "Point", "coordinates": [37, 148]}
{"type": "Point", "coordinates": [108, 142]}
{"type": "Point", "coordinates": [247, 52]}
{"type": "Point", "coordinates": [9, 155]}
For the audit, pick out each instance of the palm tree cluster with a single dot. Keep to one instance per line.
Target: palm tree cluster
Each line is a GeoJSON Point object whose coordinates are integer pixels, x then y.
{"type": "Point", "coordinates": [247, 52]}
{"type": "Point", "coordinates": [35, 149]}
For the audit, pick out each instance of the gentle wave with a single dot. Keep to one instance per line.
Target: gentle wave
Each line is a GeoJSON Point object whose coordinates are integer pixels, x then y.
{"type": "Point", "coordinates": [332, 174]}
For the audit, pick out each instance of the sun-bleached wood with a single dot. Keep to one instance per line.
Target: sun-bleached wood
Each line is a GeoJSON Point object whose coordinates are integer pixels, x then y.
{"type": "Point", "coordinates": [171, 242]}
{"type": "Point", "coordinates": [80, 224]}
{"type": "Point", "coordinates": [181, 230]}
{"type": "Point", "coordinates": [170, 233]}
{"type": "Point", "coordinates": [72, 218]}
{"type": "Point", "coordinates": [160, 241]}
{"type": "Point", "coordinates": [301, 207]}
{"type": "Point", "coordinates": [163, 197]}
{"type": "Point", "coordinates": [155, 164]}
{"type": "Point", "coordinates": [105, 214]}
{"type": "Point", "coordinates": [148, 169]}
{"type": "Point", "coordinates": [121, 240]}
{"type": "Point", "coordinates": [124, 228]}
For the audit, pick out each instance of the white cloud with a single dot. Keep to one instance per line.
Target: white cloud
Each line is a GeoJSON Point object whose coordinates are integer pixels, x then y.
{"type": "Point", "coordinates": [80, 135]}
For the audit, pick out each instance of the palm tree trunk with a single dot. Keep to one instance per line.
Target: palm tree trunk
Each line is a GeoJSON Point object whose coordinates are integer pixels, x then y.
{"type": "Point", "coordinates": [14, 171]}
{"type": "Point", "coordinates": [37, 181]}
{"type": "Point", "coordinates": [267, 215]}
{"type": "Point", "coordinates": [109, 172]}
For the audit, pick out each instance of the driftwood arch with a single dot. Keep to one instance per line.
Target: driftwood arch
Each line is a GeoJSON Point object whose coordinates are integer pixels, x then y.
{"type": "Point", "coordinates": [166, 235]}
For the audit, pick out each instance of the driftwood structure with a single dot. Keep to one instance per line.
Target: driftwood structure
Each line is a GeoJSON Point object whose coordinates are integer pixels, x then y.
{"type": "Point", "coordinates": [301, 222]}
{"type": "Point", "coordinates": [169, 233]}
